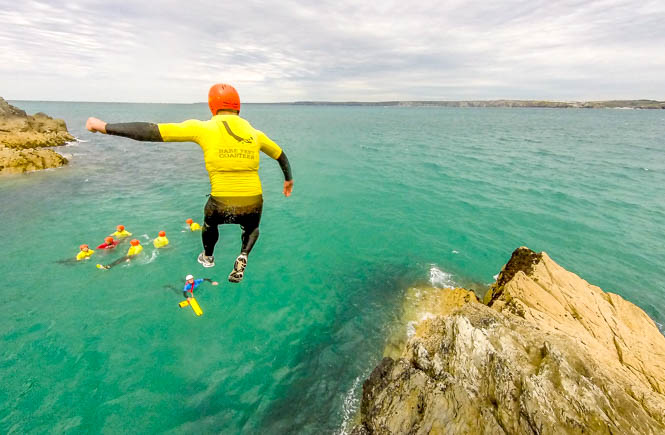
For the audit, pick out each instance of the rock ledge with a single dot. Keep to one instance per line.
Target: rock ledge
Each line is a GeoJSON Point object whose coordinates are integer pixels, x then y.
{"type": "Point", "coordinates": [22, 138]}
{"type": "Point", "coordinates": [545, 353]}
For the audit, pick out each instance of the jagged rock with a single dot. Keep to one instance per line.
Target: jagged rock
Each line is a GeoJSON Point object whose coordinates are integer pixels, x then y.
{"type": "Point", "coordinates": [13, 161]}
{"type": "Point", "coordinates": [18, 131]}
{"type": "Point", "coordinates": [7, 110]}
{"type": "Point", "coordinates": [535, 288]}
{"type": "Point", "coordinates": [421, 303]}
{"type": "Point", "coordinates": [549, 354]}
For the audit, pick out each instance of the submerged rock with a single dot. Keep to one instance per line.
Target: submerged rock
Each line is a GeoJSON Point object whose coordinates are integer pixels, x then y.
{"type": "Point", "coordinates": [20, 133]}
{"type": "Point", "coordinates": [547, 353]}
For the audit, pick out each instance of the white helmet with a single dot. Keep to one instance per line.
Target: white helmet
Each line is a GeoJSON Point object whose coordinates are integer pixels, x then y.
{"type": "Point", "coordinates": [188, 277]}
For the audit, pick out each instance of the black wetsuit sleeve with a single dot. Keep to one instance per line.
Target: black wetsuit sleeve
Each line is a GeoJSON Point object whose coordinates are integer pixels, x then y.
{"type": "Point", "coordinates": [286, 167]}
{"type": "Point", "coordinates": [144, 131]}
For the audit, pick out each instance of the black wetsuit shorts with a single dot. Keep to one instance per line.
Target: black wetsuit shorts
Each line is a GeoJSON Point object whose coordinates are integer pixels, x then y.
{"type": "Point", "coordinates": [241, 210]}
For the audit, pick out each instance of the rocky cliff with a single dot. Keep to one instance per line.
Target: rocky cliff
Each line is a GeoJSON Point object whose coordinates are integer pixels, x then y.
{"type": "Point", "coordinates": [22, 138]}
{"type": "Point", "coordinates": [545, 352]}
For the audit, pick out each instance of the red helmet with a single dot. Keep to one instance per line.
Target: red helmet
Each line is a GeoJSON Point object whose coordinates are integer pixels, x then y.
{"type": "Point", "coordinates": [109, 240]}
{"type": "Point", "coordinates": [121, 228]}
{"type": "Point", "coordinates": [134, 242]}
{"type": "Point", "coordinates": [189, 221]}
{"type": "Point", "coordinates": [162, 234]}
{"type": "Point", "coordinates": [82, 247]}
{"type": "Point", "coordinates": [222, 96]}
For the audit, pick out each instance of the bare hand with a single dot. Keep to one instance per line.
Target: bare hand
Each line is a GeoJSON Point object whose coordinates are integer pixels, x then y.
{"type": "Point", "coordinates": [215, 283]}
{"type": "Point", "coordinates": [288, 187]}
{"type": "Point", "coordinates": [95, 125]}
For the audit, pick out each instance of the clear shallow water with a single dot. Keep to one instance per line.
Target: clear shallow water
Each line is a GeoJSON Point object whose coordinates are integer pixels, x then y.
{"type": "Point", "coordinates": [381, 196]}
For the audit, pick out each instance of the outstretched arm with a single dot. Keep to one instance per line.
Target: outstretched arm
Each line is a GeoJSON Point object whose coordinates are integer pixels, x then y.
{"type": "Point", "coordinates": [115, 263]}
{"type": "Point", "coordinates": [210, 281]}
{"type": "Point", "coordinates": [147, 131]}
{"type": "Point", "coordinates": [143, 131]}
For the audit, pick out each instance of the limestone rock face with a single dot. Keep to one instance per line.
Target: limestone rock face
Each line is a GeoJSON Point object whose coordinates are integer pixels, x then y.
{"type": "Point", "coordinates": [616, 332]}
{"type": "Point", "coordinates": [13, 161]}
{"type": "Point", "coordinates": [9, 111]}
{"type": "Point", "coordinates": [19, 133]}
{"type": "Point", "coordinates": [548, 353]}
{"type": "Point", "coordinates": [421, 303]}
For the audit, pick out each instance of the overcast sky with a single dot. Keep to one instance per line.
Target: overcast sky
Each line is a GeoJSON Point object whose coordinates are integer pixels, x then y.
{"type": "Point", "coordinates": [341, 50]}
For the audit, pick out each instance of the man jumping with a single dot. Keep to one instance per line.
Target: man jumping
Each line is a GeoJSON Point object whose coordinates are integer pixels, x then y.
{"type": "Point", "coordinates": [231, 152]}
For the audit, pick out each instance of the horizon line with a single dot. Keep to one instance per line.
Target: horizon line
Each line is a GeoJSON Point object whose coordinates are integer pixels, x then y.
{"type": "Point", "coordinates": [378, 102]}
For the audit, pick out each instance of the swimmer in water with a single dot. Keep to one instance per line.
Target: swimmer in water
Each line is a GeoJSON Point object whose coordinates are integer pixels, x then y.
{"type": "Point", "coordinates": [133, 251]}
{"type": "Point", "coordinates": [231, 150]}
{"type": "Point", "coordinates": [121, 232]}
{"type": "Point", "coordinates": [161, 240]}
{"type": "Point", "coordinates": [191, 284]}
{"type": "Point", "coordinates": [85, 253]}
{"type": "Point", "coordinates": [193, 226]}
{"type": "Point", "coordinates": [109, 243]}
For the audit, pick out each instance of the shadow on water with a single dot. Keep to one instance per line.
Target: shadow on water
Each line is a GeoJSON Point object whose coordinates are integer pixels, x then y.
{"type": "Point", "coordinates": [339, 355]}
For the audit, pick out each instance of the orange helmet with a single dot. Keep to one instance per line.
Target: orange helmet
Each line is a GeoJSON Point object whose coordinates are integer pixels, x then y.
{"type": "Point", "coordinates": [162, 234]}
{"type": "Point", "coordinates": [222, 96]}
{"type": "Point", "coordinates": [121, 228]}
{"type": "Point", "coordinates": [82, 247]}
{"type": "Point", "coordinates": [109, 240]}
{"type": "Point", "coordinates": [189, 221]}
{"type": "Point", "coordinates": [134, 242]}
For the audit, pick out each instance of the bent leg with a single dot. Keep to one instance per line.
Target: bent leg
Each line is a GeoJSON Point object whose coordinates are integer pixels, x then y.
{"type": "Point", "coordinates": [249, 237]}
{"type": "Point", "coordinates": [249, 220]}
{"type": "Point", "coordinates": [118, 261]}
{"type": "Point", "coordinates": [210, 233]}
{"type": "Point", "coordinates": [209, 236]}
{"type": "Point", "coordinates": [249, 223]}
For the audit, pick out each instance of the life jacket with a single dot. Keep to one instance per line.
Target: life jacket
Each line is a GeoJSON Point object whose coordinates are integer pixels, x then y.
{"type": "Point", "coordinates": [191, 290]}
{"type": "Point", "coordinates": [160, 242]}
{"type": "Point", "coordinates": [105, 246]}
{"type": "Point", "coordinates": [134, 250]}
{"type": "Point", "coordinates": [82, 255]}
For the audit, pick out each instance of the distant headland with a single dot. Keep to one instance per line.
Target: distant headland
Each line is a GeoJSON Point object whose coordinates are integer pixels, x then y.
{"type": "Point", "coordinates": [610, 104]}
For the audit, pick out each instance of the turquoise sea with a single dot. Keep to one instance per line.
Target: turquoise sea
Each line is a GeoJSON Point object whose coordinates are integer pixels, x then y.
{"type": "Point", "coordinates": [384, 198]}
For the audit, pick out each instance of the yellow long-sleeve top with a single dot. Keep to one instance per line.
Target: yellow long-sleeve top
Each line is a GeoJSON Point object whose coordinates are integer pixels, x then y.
{"type": "Point", "coordinates": [160, 242]}
{"type": "Point", "coordinates": [84, 254]}
{"type": "Point", "coordinates": [123, 233]}
{"type": "Point", "coordinates": [231, 151]}
{"type": "Point", "coordinates": [133, 250]}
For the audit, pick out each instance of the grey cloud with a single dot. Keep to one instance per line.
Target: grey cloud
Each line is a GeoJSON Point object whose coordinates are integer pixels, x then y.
{"type": "Point", "coordinates": [336, 50]}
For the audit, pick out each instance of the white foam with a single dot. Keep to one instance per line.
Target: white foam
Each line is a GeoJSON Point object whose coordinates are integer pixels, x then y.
{"type": "Point", "coordinates": [440, 279]}
{"type": "Point", "coordinates": [152, 258]}
{"type": "Point", "coordinates": [455, 252]}
{"type": "Point", "coordinates": [411, 329]}
{"type": "Point", "coordinates": [349, 408]}
{"type": "Point", "coordinates": [496, 277]}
